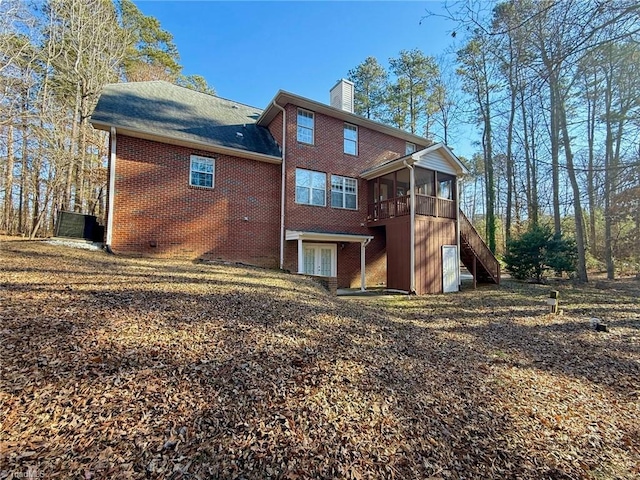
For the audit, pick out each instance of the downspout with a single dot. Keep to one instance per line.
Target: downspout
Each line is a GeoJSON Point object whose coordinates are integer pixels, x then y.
{"type": "Point", "coordinates": [112, 186]}
{"type": "Point", "coordinates": [283, 181]}
{"type": "Point", "coordinates": [363, 263]}
{"type": "Point", "coordinates": [412, 250]}
{"type": "Point", "coordinates": [458, 183]}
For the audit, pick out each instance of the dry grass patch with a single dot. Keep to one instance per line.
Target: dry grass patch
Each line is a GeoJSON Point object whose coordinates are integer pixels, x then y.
{"type": "Point", "coordinates": [141, 368]}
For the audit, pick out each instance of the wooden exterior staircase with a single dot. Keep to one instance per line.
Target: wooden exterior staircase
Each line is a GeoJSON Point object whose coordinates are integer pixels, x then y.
{"type": "Point", "coordinates": [475, 254]}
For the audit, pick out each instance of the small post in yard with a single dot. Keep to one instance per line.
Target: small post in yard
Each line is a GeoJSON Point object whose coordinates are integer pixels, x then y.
{"type": "Point", "coordinates": [554, 301]}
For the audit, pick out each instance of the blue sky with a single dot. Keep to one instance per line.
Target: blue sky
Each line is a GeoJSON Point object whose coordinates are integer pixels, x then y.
{"type": "Point", "coordinates": [249, 50]}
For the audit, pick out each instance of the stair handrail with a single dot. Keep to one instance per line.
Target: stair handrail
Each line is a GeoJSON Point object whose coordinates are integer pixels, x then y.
{"type": "Point", "coordinates": [480, 249]}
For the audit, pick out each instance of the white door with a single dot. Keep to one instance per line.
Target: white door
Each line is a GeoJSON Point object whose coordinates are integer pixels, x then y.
{"type": "Point", "coordinates": [450, 268]}
{"type": "Point", "coordinates": [319, 259]}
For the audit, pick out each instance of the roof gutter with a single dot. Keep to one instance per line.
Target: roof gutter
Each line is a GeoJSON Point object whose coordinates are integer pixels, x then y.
{"type": "Point", "coordinates": [283, 180]}
{"type": "Point", "coordinates": [112, 185]}
{"type": "Point", "coordinates": [236, 152]}
{"type": "Point", "coordinates": [412, 234]}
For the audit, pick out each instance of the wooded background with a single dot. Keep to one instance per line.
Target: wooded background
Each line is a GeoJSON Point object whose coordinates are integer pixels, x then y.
{"type": "Point", "coordinates": [553, 86]}
{"type": "Point", "coordinates": [55, 58]}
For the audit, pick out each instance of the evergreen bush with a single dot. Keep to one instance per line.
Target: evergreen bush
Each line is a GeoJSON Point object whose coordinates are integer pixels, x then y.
{"type": "Point", "coordinates": [538, 251]}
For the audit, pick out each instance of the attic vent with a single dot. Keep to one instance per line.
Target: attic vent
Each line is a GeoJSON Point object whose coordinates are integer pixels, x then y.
{"type": "Point", "coordinates": [341, 95]}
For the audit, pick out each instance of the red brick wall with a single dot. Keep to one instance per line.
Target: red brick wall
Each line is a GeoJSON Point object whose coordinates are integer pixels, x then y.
{"type": "Point", "coordinates": [275, 127]}
{"type": "Point", "coordinates": [327, 155]}
{"type": "Point", "coordinates": [155, 203]}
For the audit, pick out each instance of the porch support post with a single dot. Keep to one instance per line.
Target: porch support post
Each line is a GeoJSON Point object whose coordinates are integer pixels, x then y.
{"type": "Point", "coordinates": [458, 228]}
{"type": "Point", "coordinates": [363, 245]}
{"type": "Point", "coordinates": [300, 256]}
{"type": "Point", "coordinates": [412, 234]}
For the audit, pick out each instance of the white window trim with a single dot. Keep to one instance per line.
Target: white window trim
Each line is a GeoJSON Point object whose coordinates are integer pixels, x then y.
{"type": "Point", "coordinates": [213, 174]}
{"type": "Point", "coordinates": [313, 128]}
{"type": "Point", "coordinates": [344, 192]}
{"type": "Point", "coordinates": [310, 204]}
{"type": "Point", "coordinates": [345, 139]}
{"type": "Point", "coordinates": [334, 257]}
{"type": "Point", "coordinates": [406, 148]}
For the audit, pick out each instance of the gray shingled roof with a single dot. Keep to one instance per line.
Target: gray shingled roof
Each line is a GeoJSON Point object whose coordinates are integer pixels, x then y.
{"type": "Point", "coordinates": [166, 110]}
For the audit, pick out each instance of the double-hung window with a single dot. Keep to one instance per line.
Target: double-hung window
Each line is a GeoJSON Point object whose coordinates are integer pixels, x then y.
{"type": "Point", "coordinates": [305, 126]}
{"type": "Point", "coordinates": [311, 187]}
{"type": "Point", "coordinates": [344, 192]}
{"type": "Point", "coordinates": [202, 171]}
{"type": "Point", "coordinates": [350, 139]}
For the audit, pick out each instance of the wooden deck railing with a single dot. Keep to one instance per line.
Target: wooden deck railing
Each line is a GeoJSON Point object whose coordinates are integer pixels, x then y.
{"type": "Point", "coordinates": [470, 235]}
{"type": "Point", "coordinates": [400, 206]}
{"type": "Point", "coordinates": [392, 207]}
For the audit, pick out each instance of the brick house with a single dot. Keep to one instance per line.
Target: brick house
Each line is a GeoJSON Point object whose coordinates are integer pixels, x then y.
{"type": "Point", "coordinates": [302, 186]}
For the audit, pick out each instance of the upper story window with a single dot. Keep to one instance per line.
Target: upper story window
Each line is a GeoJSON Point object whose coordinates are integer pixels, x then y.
{"type": "Point", "coordinates": [305, 126]}
{"type": "Point", "coordinates": [202, 171]}
{"type": "Point", "coordinates": [409, 148]}
{"type": "Point", "coordinates": [344, 192]}
{"type": "Point", "coordinates": [311, 187]}
{"type": "Point", "coordinates": [350, 139]}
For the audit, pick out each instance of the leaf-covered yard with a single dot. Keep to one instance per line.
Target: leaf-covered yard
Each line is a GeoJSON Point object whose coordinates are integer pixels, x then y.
{"type": "Point", "coordinates": [146, 368]}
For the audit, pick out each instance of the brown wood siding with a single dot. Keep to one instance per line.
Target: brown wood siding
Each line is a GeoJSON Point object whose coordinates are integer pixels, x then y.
{"type": "Point", "coordinates": [431, 235]}
{"type": "Point", "coordinates": [398, 253]}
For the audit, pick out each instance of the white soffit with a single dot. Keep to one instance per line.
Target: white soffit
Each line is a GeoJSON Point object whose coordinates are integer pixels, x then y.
{"type": "Point", "coordinates": [326, 237]}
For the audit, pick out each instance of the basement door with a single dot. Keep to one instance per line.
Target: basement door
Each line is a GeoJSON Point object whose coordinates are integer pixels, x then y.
{"type": "Point", "coordinates": [320, 259]}
{"type": "Point", "coordinates": [450, 268]}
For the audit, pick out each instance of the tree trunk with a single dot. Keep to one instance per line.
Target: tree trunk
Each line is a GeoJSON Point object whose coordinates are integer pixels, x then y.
{"type": "Point", "coordinates": [555, 155]}
{"type": "Point", "coordinates": [23, 214]}
{"type": "Point", "coordinates": [591, 188]}
{"type": "Point", "coordinates": [490, 192]}
{"type": "Point", "coordinates": [73, 146]}
{"type": "Point", "coordinates": [608, 179]}
{"type": "Point", "coordinates": [8, 182]}
{"type": "Point", "coordinates": [510, 170]}
{"type": "Point", "coordinates": [577, 206]}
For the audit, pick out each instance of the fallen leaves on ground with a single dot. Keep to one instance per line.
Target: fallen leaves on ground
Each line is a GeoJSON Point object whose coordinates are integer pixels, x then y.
{"type": "Point", "coordinates": [117, 367]}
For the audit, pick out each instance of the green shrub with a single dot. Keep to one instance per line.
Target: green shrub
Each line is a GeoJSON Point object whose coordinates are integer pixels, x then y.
{"type": "Point", "coordinates": [538, 251]}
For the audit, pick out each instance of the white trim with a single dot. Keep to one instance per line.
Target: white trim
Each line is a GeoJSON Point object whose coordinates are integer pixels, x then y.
{"type": "Point", "coordinates": [112, 184]}
{"type": "Point", "coordinates": [213, 173]}
{"type": "Point", "coordinates": [345, 139]}
{"type": "Point", "coordinates": [204, 146]}
{"type": "Point", "coordinates": [412, 233]}
{"type": "Point", "coordinates": [300, 256]}
{"type": "Point", "coordinates": [364, 240]}
{"type": "Point", "coordinates": [326, 237]}
{"type": "Point", "coordinates": [284, 98]}
{"type": "Point", "coordinates": [406, 148]}
{"type": "Point", "coordinates": [343, 192]}
{"type": "Point", "coordinates": [388, 167]}
{"type": "Point", "coordinates": [458, 182]}
{"type": "Point", "coordinates": [283, 180]}
{"type": "Point", "coordinates": [313, 127]}
{"type": "Point", "coordinates": [311, 188]}
{"type": "Point", "coordinates": [415, 159]}
{"type": "Point", "coordinates": [363, 265]}
{"type": "Point", "coordinates": [334, 257]}
{"type": "Point", "coordinates": [446, 153]}
{"type": "Point", "coordinates": [456, 268]}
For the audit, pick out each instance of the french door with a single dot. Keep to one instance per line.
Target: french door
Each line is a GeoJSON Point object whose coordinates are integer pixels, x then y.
{"type": "Point", "coordinates": [319, 259]}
